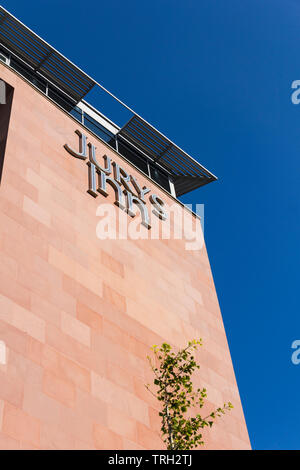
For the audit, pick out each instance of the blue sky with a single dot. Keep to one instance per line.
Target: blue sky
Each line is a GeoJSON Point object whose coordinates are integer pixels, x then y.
{"type": "Point", "coordinates": [215, 76]}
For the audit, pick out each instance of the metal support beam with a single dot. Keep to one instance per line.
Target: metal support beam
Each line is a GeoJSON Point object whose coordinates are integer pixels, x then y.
{"type": "Point", "coordinates": [43, 60]}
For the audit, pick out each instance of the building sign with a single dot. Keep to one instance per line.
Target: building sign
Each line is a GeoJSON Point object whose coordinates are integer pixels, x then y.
{"type": "Point", "coordinates": [127, 189]}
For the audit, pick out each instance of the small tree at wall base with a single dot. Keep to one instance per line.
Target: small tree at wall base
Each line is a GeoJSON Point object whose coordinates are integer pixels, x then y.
{"type": "Point", "coordinates": [174, 390]}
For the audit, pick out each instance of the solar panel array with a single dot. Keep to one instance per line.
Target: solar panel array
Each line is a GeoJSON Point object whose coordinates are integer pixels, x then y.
{"type": "Point", "coordinates": [42, 57]}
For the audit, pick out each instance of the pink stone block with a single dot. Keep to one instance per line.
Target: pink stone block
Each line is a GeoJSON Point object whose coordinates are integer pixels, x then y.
{"type": "Point", "coordinates": [78, 315]}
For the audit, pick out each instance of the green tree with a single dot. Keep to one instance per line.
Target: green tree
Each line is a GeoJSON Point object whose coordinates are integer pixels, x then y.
{"type": "Point", "coordinates": [174, 390]}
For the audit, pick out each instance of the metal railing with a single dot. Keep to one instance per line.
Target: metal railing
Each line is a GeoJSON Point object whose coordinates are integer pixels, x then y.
{"type": "Point", "coordinates": [126, 149]}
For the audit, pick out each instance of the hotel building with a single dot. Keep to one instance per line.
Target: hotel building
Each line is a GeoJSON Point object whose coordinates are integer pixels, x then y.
{"type": "Point", "coordinates": [79, 311]}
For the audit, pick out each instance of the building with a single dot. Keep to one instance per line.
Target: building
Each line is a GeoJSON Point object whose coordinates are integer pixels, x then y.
{"type": "Point", "coordinates": [79, 313]}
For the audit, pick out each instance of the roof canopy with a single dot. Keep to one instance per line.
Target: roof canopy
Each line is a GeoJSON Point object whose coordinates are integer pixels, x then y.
{"type": "Point", "coordinates": [46, 61]}
{"type": "Point", "coordinates": [186, 172]}
{"type": "Point", "coordinates": [42, 57]}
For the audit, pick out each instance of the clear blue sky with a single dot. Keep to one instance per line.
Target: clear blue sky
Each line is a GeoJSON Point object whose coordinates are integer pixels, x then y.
{"type": "Point", "coordinates": [215, 77]}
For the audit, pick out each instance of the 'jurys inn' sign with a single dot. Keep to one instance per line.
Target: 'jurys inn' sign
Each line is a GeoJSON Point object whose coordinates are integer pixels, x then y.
{"type": "Point", "coordinates": [126, 187]}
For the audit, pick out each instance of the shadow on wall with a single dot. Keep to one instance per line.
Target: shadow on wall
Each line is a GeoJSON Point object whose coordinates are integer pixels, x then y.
{"type": "Point", "coordinates": [6, 98]}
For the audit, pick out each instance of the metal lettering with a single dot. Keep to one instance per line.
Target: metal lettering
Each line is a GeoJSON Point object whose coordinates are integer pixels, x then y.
{"type": "Point", "coordinates": [92, 157]}
{"type": "Point", "coordinates": [98, 178]}
{"type": "Point", "coordinates": [141, 191]}
{"type": "Point", "coordinates": [122, 177]}
{"type": "Point", "coordinates": [82, 154]}
{"type": "Point", "coordinates": [92, 179]}
{"type": "Point", "coordinates": [103, 180]}
{"type": "Point", "coordinates": [143, 208]}
{"type": "Point", "coordinates": [158, 207]}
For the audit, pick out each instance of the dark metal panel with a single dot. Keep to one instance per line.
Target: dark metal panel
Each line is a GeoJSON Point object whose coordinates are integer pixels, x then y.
{"type": "Point", "coordinates": [155, 145]}
{"type": "Point", "coordinates": [140, 142]}
{"type": "Point", "coordinates": [188, 173]}
{"type": "Point", "coordinates": [142, 137]}
{"type": "Point", "coordinates": [25, 40]}
{"type": "Point", "coordinates": [181, 164]}
{"type": "Point", "coordinates": [47, 68]}
{"type": "Point", "coordinates": [42, 57]}
{"type": "Point", "coordinates": [186, 184]}
{"type": "Point", "coordinates": [182, 161]}
{"type": "Point", "coordinates": [76, 73]}
{"type": "Point", "coordinates": [158, 142]}
{"type": "Point", "coordinates": [22, 47]}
